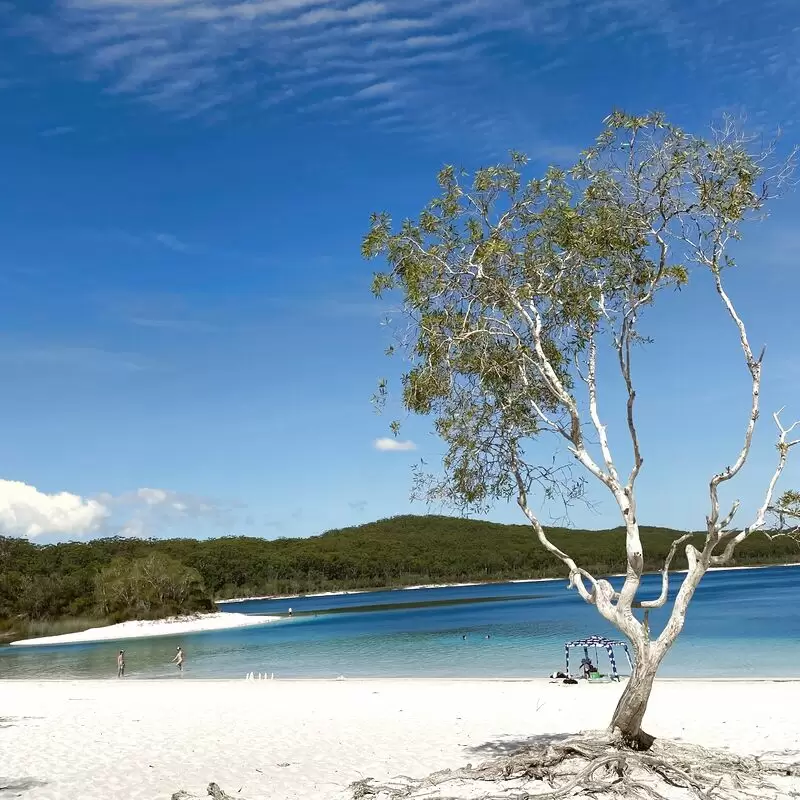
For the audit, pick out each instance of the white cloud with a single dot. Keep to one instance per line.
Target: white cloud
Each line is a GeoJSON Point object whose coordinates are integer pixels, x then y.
{"type": "Point", "coordinates": [25, 511]}
{"type": "Point", "coordinates": [133, 529]}
{"type": "Point", "coordinates": [165, 500]}
{"type": "Point", "coordinates": [152, 497]}
{"type": "Point", "coordinates": [389, 445]}
{"type": "Point", "coordinates": [149, 511]}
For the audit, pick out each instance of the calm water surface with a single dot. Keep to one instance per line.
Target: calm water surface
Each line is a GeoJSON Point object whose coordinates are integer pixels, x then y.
{"type": "Point", "coordinates": [743, 623]}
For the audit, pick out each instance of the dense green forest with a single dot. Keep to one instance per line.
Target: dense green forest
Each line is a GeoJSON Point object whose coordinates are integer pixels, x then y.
{"type": "Point", "coordinates": [116, 579]}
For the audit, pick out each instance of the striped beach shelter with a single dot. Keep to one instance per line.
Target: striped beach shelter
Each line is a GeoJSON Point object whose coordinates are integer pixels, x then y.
{"type": "Point", "coordinates": [599, 641]}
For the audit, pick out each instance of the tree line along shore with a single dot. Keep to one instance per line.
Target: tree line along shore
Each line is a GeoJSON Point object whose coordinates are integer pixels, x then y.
{"type": "Point", "coordinates": [58, 588]}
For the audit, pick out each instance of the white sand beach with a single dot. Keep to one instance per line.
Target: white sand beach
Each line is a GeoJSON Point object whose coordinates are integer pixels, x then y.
{"type": "Point", "coordinates": [286, 740]}
{"type": "Point", "coordinates": [141, 629]}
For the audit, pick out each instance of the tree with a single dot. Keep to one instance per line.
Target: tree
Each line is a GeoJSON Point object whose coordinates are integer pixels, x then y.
{"type": "Point", "coordinates": [150, 586]}
{"type": "Point", "coordinates": [516, 289]}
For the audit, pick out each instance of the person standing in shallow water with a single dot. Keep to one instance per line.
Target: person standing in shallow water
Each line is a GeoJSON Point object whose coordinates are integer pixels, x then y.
{"type": "Point", "coordinates": [121, 664]}
{"type": "Point", "coordinates": [179, 659]}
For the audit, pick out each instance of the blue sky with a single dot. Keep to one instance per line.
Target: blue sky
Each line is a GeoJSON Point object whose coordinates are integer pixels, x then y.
{"type": "Point", "coordinates": [188, 342]}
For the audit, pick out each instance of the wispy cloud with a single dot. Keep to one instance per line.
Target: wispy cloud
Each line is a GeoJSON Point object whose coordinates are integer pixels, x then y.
{"type": "Point", "coordinates": [380, 89]}
{"type": "Point", "coordinates": [192, 57]}
{"type": "Point", "coordinates": [184, 325]}
{"type": "Point", "coordinates": [61, 130]}
{"type": "Point", "coordinates": [389, 445]}
{"type": "Point", "coordinates": [196, 56]}
{"type": "Point", "coordinates": [161, 311]}
{"type": "Point", "coordinates": [172, 243]}
{"type": "Point", "coordinates": [71, 358]}
{"type": "Point", "coordinates": [168, 241]}
{"type": "Point", "coordinates": [162, 240]}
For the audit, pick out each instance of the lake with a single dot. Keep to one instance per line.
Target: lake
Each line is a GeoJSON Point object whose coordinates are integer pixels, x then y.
{"type": "Point", "coordinates": [742, 623]}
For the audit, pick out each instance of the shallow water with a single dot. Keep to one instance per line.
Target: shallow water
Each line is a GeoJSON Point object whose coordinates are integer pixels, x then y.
{"type": "Point", "coordinates": [742, 623]}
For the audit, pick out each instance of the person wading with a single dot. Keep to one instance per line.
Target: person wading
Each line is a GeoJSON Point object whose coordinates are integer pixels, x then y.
{"type": "Point", "coordinates": [179, 659]}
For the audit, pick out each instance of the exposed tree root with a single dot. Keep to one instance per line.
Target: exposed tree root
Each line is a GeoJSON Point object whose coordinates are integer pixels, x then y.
{"type": "Point", "coordinates": [595, 765]}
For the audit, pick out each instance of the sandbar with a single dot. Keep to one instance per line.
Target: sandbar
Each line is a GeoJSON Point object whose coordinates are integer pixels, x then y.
{"type": "Point", "coordinates": [143, 629]}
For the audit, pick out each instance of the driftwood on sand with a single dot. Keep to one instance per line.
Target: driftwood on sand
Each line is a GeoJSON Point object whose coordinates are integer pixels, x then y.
{"type": "Point", "coordinates": [212, 791]}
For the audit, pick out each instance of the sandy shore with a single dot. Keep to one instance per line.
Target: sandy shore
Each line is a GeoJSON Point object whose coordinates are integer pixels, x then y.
{"type": "Point", "coordinates": [141, 629]}
{"type": "Point", "coordinates": [294, 596]}
{"type": "Point", "coordinates": [282, 740]}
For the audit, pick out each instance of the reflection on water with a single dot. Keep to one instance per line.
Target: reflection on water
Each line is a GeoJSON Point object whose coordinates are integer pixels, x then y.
{"type": "Point", "coordinates": [732, 630]}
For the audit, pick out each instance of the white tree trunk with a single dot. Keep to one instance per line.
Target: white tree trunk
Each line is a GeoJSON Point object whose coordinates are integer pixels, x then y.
{"type": "Point", "coordinates": [626, 723]}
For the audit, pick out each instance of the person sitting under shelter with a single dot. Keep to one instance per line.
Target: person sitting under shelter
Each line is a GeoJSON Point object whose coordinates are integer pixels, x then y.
{"type": "Point", "coordinates": [587, 667]}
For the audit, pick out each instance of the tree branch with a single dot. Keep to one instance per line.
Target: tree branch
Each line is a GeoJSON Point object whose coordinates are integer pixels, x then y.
{"type": "Point", "coordinates": [698, 567]}
{"type": "Point", "coordinates": [784, 445]}
{"type": "Point", "coordinates": [662, 598]}
{"type": "Point", "coordinates": [559, 391]}
{"type": "Point", "coordinates": [591, 383]}
{"type": "Point", "coordinates": [576, 574]}
{"type": "Point", "coordinates": [754, 367]}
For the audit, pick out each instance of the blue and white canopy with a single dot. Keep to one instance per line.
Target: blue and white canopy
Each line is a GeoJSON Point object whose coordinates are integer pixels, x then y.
{"type": "Point", "coordinates": [599, 641]}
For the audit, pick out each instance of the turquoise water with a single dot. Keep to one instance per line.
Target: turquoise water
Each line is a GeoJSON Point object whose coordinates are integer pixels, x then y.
{"type": "Point", "coordinates": [743, 623]}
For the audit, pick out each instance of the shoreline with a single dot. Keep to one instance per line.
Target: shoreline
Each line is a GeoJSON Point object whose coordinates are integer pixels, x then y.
{"type": "Point", "coordinates": [146, 629]}
{"type": "Point", "coordinates": [297, 596]}
{"type": "Point", "coordinates": [535, 682]}
{"type": "Point", "coordinates": [346, 592]}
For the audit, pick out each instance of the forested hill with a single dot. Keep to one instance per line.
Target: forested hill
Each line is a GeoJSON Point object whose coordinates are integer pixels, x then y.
{"type": "Point", "coordinates": [124, 578]}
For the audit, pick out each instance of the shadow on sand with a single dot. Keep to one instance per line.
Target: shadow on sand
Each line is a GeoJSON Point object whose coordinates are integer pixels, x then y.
{"type": "Point", "coordinates": [508, 747]}
{"type": "Point", "coordinates": [14, 787]}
